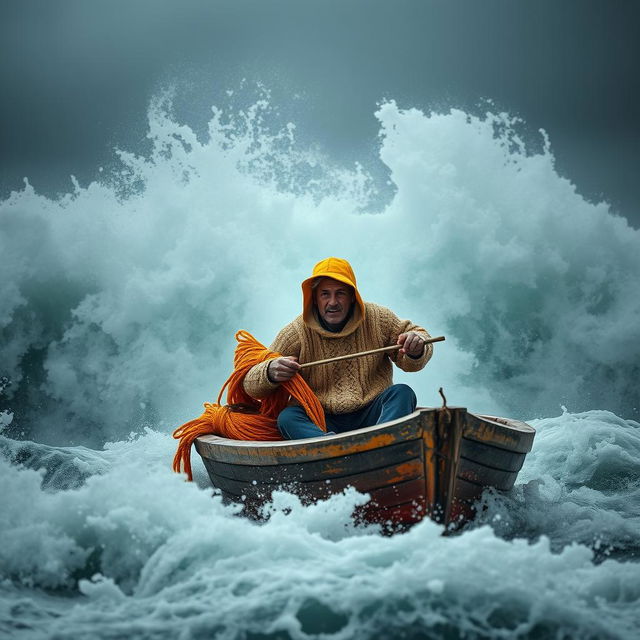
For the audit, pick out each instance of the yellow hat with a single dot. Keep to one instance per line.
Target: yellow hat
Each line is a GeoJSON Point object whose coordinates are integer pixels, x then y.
{"type": "Point", "coordinates": [340, 270]}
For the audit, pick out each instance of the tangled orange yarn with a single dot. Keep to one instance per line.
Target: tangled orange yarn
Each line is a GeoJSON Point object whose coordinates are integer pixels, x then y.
{"type": "Point", "coordinates": [243, 417]}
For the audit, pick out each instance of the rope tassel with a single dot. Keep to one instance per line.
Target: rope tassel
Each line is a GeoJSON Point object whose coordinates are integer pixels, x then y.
{"type": "Point", "coordinates": [243, 417]}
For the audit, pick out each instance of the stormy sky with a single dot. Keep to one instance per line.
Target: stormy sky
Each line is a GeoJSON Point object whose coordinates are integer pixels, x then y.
{"type": "Point", "coordinates": [77, 76]}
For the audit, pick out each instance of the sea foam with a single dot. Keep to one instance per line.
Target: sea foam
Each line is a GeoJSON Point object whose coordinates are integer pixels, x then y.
{"type": "Point", "coordinates": [118, 306]}
{"type": "Point", "coordinates": [135, 549]}
{"type": "Point", "coordinates": [119, 300]}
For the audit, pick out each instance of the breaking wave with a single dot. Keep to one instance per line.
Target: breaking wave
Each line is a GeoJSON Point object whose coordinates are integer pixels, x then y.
{"type": "Point", "coordinates": [118, 306]}
{"type": "Point", "coordinates": [119, 300]}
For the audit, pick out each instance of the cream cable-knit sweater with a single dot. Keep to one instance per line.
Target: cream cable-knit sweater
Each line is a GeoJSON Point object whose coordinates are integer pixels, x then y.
{"type": "Point", "coordinates": [348, 385]}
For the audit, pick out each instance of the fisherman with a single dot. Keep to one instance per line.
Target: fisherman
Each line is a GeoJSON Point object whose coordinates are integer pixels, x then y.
{"type": "Point", "coordinates": [335, 321]}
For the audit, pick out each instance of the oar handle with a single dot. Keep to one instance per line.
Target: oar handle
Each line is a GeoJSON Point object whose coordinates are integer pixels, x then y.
{"type": "Point", "coordinates": [393, 347]}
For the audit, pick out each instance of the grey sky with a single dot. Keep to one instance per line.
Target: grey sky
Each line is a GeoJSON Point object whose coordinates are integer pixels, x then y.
{"type": "Point", "coordinates": [77, 75]}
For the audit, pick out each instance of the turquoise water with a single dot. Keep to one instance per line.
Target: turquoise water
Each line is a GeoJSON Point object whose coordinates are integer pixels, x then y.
{"type": "Point", "coordinates": [112, 544]}
{"type": "Point", "coordinates": [118, 306]}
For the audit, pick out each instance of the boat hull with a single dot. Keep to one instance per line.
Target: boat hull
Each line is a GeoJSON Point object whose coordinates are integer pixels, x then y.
{"type": "Point", "coordinates": [411, 468]}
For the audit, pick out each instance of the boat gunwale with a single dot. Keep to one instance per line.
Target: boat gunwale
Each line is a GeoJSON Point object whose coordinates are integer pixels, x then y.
{"type": "Point", "coordinates": [501, 433]}
{"type": "Point", "coordinates": [518, 425]}
{"type": "Point", "coordinates": [271, 453]}
{"type": "Point", "coordinates": [212, 439]}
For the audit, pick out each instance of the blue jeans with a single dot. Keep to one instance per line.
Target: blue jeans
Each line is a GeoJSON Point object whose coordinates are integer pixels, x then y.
{"type": "Point", "coordinates": [396, 401]}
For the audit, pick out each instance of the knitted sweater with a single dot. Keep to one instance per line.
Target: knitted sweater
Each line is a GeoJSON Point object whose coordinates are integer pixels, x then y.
{"type": "Point", "coordinates": [347, 385]}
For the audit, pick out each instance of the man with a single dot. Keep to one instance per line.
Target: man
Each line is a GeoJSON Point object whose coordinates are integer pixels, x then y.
{"type": "Point", "coordinates": [354, 393]}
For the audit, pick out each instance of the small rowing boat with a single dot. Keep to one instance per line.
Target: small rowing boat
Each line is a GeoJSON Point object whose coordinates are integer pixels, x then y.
{"type": "Point", "coordinates": [432, 463]}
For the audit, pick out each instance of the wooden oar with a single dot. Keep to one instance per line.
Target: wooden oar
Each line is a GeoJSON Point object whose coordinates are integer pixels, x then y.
{"type": "Point", "coordinates": [365, 353]}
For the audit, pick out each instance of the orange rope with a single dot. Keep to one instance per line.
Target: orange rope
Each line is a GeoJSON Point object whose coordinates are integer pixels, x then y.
{"type": "Point", "coordinates": [244, 417]}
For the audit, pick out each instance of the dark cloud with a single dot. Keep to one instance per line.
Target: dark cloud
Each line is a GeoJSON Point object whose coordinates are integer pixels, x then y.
{"type": "Point", "coordinates": [77, 76]}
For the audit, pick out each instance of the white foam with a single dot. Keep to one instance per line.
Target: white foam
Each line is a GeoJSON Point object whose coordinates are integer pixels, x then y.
{"type": "Point", "coordinates": [120, 299]}
{"type": "Point", "coordinates": [148, 553]}
{"type": "Point", "coordinates": [579, 484]}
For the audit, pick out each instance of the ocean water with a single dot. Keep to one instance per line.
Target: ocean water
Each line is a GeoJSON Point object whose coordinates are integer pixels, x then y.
{"type": "Point", "coordinates": [118, 305]}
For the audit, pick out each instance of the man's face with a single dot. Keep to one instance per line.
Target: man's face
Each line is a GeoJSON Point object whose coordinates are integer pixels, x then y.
{"type": "Point", "coordinates": [333, 299]}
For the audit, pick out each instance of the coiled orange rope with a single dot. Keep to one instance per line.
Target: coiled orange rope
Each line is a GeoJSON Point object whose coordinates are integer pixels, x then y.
{"type": "Point", "coordinates": [244, 417]}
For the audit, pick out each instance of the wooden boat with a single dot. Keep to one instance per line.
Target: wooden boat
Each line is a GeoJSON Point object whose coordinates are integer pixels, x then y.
{"type": "Point", "coordinates": [433, 462]}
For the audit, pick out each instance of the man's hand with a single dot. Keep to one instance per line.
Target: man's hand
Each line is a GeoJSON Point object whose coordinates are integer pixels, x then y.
{"type": "Point", "coordinates": [411, 343]}
{"type": "Point", "coordinates": [282, 369]}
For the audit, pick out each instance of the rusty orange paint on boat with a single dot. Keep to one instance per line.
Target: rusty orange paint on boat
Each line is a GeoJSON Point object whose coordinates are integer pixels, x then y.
{"type": "Point", "coordinates": [487, 434]}
{"type": "Point", "coordinates": [339, 449]}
